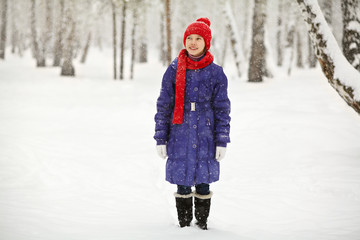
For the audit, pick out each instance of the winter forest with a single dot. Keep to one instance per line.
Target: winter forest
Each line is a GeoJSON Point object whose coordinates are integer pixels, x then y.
{"type": "Point", "coordinates": [79, 81]}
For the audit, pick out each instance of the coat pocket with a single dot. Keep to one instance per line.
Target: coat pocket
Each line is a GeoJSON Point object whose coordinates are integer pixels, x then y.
{"type": "Point", "coordinates": [206, 136]}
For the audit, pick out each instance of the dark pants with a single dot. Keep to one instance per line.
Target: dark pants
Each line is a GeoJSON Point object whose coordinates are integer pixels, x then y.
{"type": "Point", "coordinates": [202, 189]}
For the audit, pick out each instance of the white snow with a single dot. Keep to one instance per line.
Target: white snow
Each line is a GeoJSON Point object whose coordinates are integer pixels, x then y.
{"type": "Point", "coordinates": [77, 158]}
{"type": "Point", "coordinates": [354, 25]}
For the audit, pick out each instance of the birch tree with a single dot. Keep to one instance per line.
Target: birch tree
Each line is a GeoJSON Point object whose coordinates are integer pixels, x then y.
{"type": "Point", "coordinates": [351, 31]}
{"type": "Point", "coordinates": [311, 58]}
{"type": "Point", "coordinates": [19, 26]}
{"type": "Point", "coordinates": [67, 68]}
{"type": "Point", "coordinates": [299, 43]}
{"type": "Point", "coordinates": [279, 34]}
{"type": "Point", "coordinates": [113, 10]}
{"type": "Point", "coordinates": [234, 37]}
{"type": "Point", "coordinates": [133, 41]}
{"type": "Point", "coordinates": [122, 37]}
{"type": "Point", "coordinates": [246, 28]}
{"type": "Point", "coordinates": [257, 68]}
{"type": "Point", "coordinates": [34, 37]}
{"type": "Point", "coordinates": [327, 9]}
{"type": "Point", "coordinates": [89, 20]}
{"type": "Point", "coordinates": [86, 48]}
{"type": "Point", "coordinates": [162, 34]}
{"type": "Point", "coordinates": [59, 29]}
{"type": "Point", "coordinates": [289, 36]}
{"type": "Point", "coordinates": [14, 28]}
{"type": "Point", "coordinates": [143, 39]}
{"type": "Point", "coordinates": [4, 9]}
{"type": "Point", "coordinates": [168, 31]}
{"type": "Point", "coordinates": [341, 75]}
{"type": "Point", "coordinates": [46, 34]}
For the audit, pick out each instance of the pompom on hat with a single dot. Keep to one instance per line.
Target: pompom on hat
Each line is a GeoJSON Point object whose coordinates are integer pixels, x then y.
{"type": "Point", "coordinates": [202, 28]}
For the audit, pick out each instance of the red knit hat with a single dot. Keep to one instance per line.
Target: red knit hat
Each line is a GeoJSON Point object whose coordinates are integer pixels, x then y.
{"type": "Point", "coordinates": [202, 28]}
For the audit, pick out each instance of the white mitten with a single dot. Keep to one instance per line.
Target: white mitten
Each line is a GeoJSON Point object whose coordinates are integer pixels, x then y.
{"type": "Point", "coordinates": [161, 150]}
{"type": "Point", "coordinates": [220, 153]}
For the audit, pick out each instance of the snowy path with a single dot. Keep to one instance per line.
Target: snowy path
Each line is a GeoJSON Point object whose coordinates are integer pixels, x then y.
{"type": "Point", "coordinates": [77, 159]}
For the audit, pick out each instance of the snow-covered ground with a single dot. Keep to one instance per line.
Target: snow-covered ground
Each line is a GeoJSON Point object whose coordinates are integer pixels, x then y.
{"type": "Point", "coordinates": [77, 158]}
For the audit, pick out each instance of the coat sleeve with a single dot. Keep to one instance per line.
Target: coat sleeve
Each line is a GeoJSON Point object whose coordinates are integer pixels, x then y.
{"type": "Point", "coordinates": [221, 106]}
{"type": "Point", "coordinates": [165, 106]}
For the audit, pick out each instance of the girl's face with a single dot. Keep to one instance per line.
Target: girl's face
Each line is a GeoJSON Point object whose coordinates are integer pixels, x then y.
{"type": "Point", "coordinates": [195, 45]}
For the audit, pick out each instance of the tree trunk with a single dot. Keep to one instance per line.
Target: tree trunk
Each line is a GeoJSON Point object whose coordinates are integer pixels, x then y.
{"type": "Point", "coordinates": [35, 44]}
{"type": "Point", "coordinates": [312, 60]}
{"type": "Point", "coordinates": [49, 25]}
{"type": "Point", "coordinates": [143, 51]}
{"type": "Point", "coordinates": [299, 43]}
{"type": "Point", "coordinates": [168, 31]}
{"type": "Point", "coordinates": [223, 50]}
{"type": "Point", "coordinates": [257, 58]}
{"type": "Point", "coordinates": [133, 42]}
{"type": "Point", "coordinates": [246, 28]}
{"type": "Point", "coordinates": [162, 55]}
{"type": "Point", "coordinates": [14, 28]}
{"type": "Point", "coordinates": [279, 42]}
{"type": "Point", "coordinates": [122, 37]}
{"type": "Point", "coordinates": [291, 47]}
{"type": "Point", "coordinates": [68, 67]}
{"type": "Point", "coordinates": [299, 55]}
{"type": "Point", "coordinates": [234, 37]}
{"type": "Point", "coordinates": [327, 51]}
{"type": "Point", "coordinates": [289, 50]}
{"type": "Point", "coordinates": [351, 31]}
{"type": "Point", "coordinates": [86, 48]}
{"type": "Point", "coordinates": [143, 57]}
{"type": "Point", "coordinates": [59, 35]}
{"type": "Point", "coordinates": [326, 6]}
{"type": "Point", "coordinates": [113, 8]}
{"type": "Point", "coordinates": [46, 34]}
{"type": "Point", "coordinates": [4, 9]}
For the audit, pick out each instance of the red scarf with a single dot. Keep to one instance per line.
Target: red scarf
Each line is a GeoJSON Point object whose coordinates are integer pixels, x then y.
{"type": "Point", "coordinates": [184, 62]}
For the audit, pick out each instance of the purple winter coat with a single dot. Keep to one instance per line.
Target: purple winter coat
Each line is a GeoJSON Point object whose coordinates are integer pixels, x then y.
{"type": "Point", "coordinates": [191, 145]}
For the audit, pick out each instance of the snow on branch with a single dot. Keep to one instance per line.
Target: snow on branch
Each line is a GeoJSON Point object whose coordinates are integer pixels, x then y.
{"type": "Point", "coordinates": [342, 76]}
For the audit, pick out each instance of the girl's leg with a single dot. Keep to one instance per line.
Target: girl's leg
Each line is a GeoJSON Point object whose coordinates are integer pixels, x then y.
{"type": "Point", "coordinates": [184, 205]}
{"type": "Point", "coordinates": [202, 204]}
{"type": "Point", "coordinates": [203, 189]}
{"type": "Point", "coordinates": [183, 190]}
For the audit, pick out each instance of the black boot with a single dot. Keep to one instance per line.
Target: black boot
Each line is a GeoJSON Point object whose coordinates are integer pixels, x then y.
{"type": "Point", "coordinates": [184, 206]}
{"type": "Point", "coordinates": [202, 209]}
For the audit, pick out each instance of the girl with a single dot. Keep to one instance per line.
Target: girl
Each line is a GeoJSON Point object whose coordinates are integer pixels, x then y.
{"type": "Point", "coordinates": [193, 123]}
